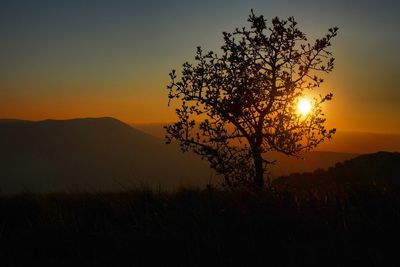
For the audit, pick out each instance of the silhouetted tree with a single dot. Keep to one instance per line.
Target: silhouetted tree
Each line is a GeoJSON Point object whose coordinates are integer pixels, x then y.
{"type": "Point", "coordinates": [234, 108]}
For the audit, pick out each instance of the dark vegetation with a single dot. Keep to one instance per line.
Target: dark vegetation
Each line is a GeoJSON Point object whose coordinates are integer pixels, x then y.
{"type": "Point", "coordinates": [284, 227]}
{"type": "Point", "coordinates": [377, 171]}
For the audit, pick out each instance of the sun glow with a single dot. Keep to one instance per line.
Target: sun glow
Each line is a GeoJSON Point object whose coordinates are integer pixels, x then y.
{"type": "Point", "coordinates": [304, 106]}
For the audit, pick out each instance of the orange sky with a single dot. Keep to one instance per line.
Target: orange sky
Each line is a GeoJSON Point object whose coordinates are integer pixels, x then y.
{"type": "Point", "coordinates": [69, 60]}
{"type": "Point", "coordinates": [345, 112]}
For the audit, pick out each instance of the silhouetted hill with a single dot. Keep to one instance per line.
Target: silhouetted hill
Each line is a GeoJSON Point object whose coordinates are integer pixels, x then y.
{"type": "Point", "coordinates": [89, 154]}
{"type": "Point", "coordinates": [377, 171]}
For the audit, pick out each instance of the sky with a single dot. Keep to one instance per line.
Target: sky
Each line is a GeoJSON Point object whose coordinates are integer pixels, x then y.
{"type": "Point", "coordinates": [66, 59]}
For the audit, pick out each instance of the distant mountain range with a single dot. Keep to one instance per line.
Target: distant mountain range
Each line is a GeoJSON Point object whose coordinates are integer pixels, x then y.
{"type": "Point", "coordinates": [104, 154]}
{"type": "Point", "coordinates": [377, 171]}
{"type": "Point", "coordinates": [342, 141]}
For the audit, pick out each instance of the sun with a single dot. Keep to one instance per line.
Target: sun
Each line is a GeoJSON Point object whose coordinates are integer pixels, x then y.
{"type": "Point", "coordinates": [304, 106]}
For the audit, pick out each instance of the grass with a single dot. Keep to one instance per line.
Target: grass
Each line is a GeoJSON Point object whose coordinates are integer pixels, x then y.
{"type": "Point", "coordinates": [200, 228]}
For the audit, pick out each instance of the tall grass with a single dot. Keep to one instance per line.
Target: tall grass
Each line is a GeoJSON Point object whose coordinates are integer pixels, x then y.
{"type": "Point", "coordinates": [200, 228]}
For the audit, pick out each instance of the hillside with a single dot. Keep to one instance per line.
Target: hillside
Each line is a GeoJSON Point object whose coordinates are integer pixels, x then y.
{"type": "Point", "coordinates": [89, 155]}
{"type": "Point", "coordinates": [371, 171]}
{"type": "Point", "coordinates": [308, 162]}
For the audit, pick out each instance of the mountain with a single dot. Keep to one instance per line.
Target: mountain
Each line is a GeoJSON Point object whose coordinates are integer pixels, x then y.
{"type": "Point", "coordinates": [370, 171]}
{"type": "Point", "coordinates": [104, 154]}
{"type": "Point", "coordinates": [101, 154]}
{"type": "Point", "coordinates": [342, 141]}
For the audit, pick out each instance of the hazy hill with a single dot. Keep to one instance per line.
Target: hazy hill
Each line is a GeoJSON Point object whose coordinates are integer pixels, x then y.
{"type": "Point", "coordinates": [343, 141]}
{"type": "Point", "coordinates": [89, 154]}
{"type": "Point", "coordinates": [361, 142]}
{"type": "Point", "coordinates": [371, 171]}
{"type": "Point", "coordinates": [105, 154]}
{"type": "Point", "coordinates": [310, 161]}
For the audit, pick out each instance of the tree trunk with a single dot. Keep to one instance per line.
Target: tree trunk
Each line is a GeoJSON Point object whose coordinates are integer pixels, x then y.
{"type": "Point", "coordinates": [259, 169]}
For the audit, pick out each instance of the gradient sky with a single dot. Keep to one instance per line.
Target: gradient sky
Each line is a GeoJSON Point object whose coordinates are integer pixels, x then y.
{"type": "Point", "coordinates": [65, 59]}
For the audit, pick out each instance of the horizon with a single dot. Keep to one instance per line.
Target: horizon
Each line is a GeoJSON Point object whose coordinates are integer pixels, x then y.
{"type": "Point", "coordinates": [132, 124]}
{"type": "Point", "coordinates": [348, 142]}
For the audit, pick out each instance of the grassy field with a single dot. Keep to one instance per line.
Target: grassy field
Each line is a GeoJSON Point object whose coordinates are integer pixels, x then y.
{"type": "Point", "coordinates": [200, 228]}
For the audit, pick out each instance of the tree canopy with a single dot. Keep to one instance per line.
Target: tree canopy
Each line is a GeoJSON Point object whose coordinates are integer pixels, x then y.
{"type": "Point", "coordinates": [234, 108]}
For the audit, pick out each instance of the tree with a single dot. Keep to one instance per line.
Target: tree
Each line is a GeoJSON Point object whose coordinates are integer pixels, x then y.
{"type": "Point", "coordinates": [235, 108]}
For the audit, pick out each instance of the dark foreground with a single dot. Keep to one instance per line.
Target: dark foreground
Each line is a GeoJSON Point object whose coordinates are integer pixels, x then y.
{"type": "Point", "coordinates": [201, 228]}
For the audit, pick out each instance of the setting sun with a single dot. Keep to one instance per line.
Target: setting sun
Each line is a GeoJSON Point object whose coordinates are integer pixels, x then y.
{"type": "Point", "coordinates": [304, 106]}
